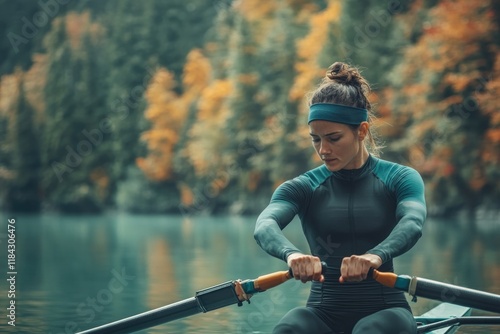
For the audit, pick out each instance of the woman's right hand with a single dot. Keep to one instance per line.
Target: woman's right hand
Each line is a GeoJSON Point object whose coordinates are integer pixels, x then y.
{"type": "Point", "coordinates": [305, 267]}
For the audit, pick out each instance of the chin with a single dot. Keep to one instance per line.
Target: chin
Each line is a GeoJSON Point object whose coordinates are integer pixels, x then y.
{"type": "Point", "coordinates": [333, 167]}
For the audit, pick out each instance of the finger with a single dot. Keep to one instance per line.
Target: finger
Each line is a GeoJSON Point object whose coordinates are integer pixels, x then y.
{"type": "Point", "coordinates": [343, 270]}
{"type": "Point", "coordinates": [301, 274]}
{"type": "Point", "coordinates": [306, 272]}
{"type": "Point", "coordinates": [317, 269]}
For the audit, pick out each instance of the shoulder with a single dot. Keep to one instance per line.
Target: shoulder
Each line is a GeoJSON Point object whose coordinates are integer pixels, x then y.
{"type": "Point", "coordinates": [405, 181]}
{"type": "Point", "coordinates": [390, 172]}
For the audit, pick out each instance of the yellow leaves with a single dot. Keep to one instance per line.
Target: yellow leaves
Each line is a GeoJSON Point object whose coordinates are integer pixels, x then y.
{"type": "Point", "coordinates": [9, 93]}
{"type": "Point", "coordinates": [309, 48]}
{"type": "Point", "coordinates": [248, 79]}
{"type": "Point", "coordinates": [493, 135]}
{"type": "Point", "coordinates": [460, 81]}
{"type": "Point", "coordinates": [212, 98]}
{"type": "Point", "coordinates": [197, 72]}
{"type": "Point", "coordinates": [254, 10]}
{"type": "Point", "coordinates": [187, 195]}
{"type": "Point", "coordinates": [77, 25]}
{"type": "Point", "coordinates": [206, 136]}
{"type": "Point", "coordinates": [34, 83]}
{"type": "Point", "coordinates": [452, 35]}
{"type": "Point", "coordinates": [166, 111]}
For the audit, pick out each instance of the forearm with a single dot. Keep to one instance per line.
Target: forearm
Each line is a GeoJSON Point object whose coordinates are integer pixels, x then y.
{"type": "Point", "coordinates": [269, 235]}
{"type": "Point", "coordinates": [405, 234]}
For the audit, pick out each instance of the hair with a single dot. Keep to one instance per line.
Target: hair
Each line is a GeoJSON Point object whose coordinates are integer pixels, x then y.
{"type": "Point", "coordinates": [344, 84]}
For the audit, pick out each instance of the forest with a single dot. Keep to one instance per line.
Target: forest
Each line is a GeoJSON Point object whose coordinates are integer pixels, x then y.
{"type": "Point", "coordinates": [199, 107]}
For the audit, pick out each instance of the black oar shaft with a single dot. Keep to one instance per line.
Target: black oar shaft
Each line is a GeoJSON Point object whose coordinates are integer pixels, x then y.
{"type": "Point", "coordinates": [457, 295]}
{"type": "Point", "coordinates": [458, 322]}
{"type": "Point", "coordinates": [444, 292]}
{"type": "Point", "coordinates": [206, 300]}
{"type": "Point", "coordinates": [148, 319]}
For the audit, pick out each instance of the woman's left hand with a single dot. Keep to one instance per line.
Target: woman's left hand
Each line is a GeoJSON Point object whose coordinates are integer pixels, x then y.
{"type": "Point", "coordinates": [355, 268]}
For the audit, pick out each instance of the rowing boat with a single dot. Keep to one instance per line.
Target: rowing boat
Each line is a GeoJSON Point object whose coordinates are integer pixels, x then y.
{"type": "Point", "coordinates": [442, 319]}
{"type": "Point", "coordinates": [445, 318]}
{"type": "Point", "coordinates": [443, 311]}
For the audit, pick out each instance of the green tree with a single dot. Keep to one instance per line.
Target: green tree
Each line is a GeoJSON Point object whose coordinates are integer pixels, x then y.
{"type": "Point", "coordinates": [282, 157]}
{"type": "Point", "coordinates": [23, 193]}
{"type": "Point", "coordinates": [75, 149]}
{"type": "Point", "coordinates": [437, 104]}
{"type": "Point", "coordinates": [371, 37]}
{"type": "Point", "coordinates": [246, 118]}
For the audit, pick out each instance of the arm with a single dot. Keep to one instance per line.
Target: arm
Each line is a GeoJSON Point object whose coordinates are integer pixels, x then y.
{"type": "Point", "coordinates": [410, 215]}
{"type": "Point", "coordinates": [284, 205]}
{"type": "Point", "coordinates": [268, 232]}
{"type": "Point", "coordinates": [287, 201]}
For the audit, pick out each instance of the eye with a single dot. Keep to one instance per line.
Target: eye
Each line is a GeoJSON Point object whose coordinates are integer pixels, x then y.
{"type": "Point", "coordinates": [315, 139]}
{"type": "Point", "coordinates": [334, 139]}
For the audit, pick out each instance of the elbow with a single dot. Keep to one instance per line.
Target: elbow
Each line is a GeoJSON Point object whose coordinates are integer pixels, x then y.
{"type": "Point", "coordinates": [259, 232]}
{"type": "Point", "coordinates": [262, 232]}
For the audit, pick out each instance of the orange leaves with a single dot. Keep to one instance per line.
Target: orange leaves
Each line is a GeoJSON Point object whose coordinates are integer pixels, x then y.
{"type": "Point", "coordinates": [166, 111]}
{"type": "Point", "coordinates": [254, 10]}
{"type": "Point", "coordinates": [187, 195]}
{"type": "Point", "coordinates": [203, 149]}
{"type": "Point", "coordinates": [458, 28]}
{"type": "Point", "coordinates": [32, 82]}
{"type": "Point", "coordinates": [79, 24]}
{"type": "Point", "coordinates": [197, 72]}
{"type": "Point", "coordinates": [310, 47]}
{"type": "Point", "coordinates": [248, 79]}
{"type": "Point", "coordinates": [212, 99]}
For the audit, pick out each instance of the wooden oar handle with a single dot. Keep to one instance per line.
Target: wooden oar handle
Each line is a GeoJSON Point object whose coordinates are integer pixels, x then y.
{"type": "Point", "coordinates": [387, 279]}
{"type": "Point", "coordinates": [274, 279]}
{"type": "Point", "coordinates": [268, 281]}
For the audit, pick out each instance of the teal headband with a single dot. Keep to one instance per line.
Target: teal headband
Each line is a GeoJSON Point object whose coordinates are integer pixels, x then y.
{"type": "Point", "coordinates": [337, 113]}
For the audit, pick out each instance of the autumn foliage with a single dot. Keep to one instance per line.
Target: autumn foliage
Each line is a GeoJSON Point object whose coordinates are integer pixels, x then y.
{"type": "Point", "coordinates": [207, 109]}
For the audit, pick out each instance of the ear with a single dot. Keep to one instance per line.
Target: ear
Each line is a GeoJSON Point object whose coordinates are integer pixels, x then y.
{"type": "Point", "coordinates": [363, 130]}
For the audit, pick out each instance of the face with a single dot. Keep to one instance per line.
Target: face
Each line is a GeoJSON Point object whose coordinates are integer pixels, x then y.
{"type": "Point", "coordinates": [338, 145]}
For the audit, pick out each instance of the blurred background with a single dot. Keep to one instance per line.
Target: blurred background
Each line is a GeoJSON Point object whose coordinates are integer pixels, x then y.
{"type": "Point", "coordinates": [160, 116]}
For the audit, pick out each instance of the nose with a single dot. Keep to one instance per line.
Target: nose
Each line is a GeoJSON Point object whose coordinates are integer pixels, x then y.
{"type": "Point", "coordinates": [324, 148]}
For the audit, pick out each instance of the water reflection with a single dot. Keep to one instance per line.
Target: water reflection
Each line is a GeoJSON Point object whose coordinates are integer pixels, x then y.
{"type": "Point", "coordinates": [77, 272]}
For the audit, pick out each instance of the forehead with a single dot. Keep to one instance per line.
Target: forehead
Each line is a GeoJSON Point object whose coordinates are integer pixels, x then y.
{"type": "Point", "coordinates": [326, 127]}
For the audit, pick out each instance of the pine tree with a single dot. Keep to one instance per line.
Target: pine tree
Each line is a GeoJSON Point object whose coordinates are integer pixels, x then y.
{"type": "Point", "coordinates": [246, 116]}
{"type": "Point", "coordinates": [371, 38]}
{"type": "Point", "coordinates": [130, 51]}
{"type": "Point", "coordinates": [75, 146]}
{"type": "Point", "coordinates": [23, 192]}
{"type": "Point", "coordinates": [282, 157]}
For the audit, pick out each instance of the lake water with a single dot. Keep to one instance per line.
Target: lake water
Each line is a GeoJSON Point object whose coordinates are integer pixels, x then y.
{"type": "Point", "coordinates": [78, 272]}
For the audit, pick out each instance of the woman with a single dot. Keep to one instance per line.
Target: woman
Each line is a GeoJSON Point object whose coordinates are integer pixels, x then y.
{"type": "Point", "coordinates": [357, 212]}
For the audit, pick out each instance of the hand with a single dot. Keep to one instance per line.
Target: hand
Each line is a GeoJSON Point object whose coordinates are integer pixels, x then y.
{"type": "Point", "coordinates": [305, 267]}
{"type": "Point", "coordinates": [355, 268]}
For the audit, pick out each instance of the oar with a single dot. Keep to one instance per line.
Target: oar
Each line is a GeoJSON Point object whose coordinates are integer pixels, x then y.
{"type": "Point", "coordinates": [221, 295]}
{"type": "Point", "coordinates": [444, 292]}
{"type": "Point", "coordinates": [441, 323]}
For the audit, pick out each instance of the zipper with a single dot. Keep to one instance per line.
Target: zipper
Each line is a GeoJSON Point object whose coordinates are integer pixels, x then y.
{"type": "Point", "coordinates": [350, 213]}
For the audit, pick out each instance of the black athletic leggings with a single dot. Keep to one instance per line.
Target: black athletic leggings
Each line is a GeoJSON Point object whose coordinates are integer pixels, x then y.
{"type": "Point", "coordinates": [305, 320]}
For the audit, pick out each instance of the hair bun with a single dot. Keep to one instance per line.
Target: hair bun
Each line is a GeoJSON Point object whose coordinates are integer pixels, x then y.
{"type": "Point", "coordinates": [345, 74]}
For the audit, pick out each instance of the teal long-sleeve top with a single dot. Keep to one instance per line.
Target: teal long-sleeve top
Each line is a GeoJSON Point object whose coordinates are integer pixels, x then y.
{"type": "Point", "coordinates": [378, 209]}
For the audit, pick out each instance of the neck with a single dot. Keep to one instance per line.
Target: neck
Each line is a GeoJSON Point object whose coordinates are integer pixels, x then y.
{"type": "Point", "coordinates": [360, 159]}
